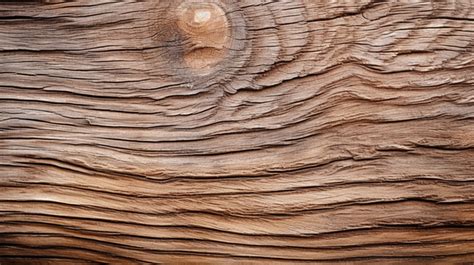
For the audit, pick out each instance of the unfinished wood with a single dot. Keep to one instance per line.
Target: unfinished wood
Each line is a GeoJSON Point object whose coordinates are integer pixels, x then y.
{"type": "Point", "coordinates": [236, 132]}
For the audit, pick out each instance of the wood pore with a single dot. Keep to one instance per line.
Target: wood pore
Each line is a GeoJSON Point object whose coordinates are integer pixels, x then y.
{"type": "Point", "coordinates": [237, 132]}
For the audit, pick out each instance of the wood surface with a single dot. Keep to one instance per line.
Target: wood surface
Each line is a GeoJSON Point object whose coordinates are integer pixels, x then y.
{"type": "Point", "coordinates": [237, 132]}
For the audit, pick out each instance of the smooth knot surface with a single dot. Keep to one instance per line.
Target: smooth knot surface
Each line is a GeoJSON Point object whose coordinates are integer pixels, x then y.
{"type": "Point", "coordinates": [205, 26]}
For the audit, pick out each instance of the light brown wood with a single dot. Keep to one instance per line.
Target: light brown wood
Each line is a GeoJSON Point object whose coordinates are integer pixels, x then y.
{"type": "Point", "coordinates": [237, 132]}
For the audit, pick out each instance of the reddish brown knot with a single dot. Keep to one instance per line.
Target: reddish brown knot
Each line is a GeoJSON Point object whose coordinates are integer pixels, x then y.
{"type": "Point", "coordinates": [205, 26]}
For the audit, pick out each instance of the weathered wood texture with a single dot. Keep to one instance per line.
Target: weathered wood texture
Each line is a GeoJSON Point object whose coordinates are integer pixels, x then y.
{"type": "Point", "coordinates": [237, 132]}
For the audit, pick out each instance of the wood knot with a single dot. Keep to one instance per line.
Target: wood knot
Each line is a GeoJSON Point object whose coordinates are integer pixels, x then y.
{"type": "Point", "coordinates": [205, 26]}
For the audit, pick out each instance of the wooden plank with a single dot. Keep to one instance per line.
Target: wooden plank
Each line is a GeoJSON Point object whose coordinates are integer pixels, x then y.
{"type": "Point", "coordinates": [244, 132]}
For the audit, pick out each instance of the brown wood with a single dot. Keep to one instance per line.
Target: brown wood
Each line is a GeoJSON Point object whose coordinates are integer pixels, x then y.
{"type": "Point", "coordinates": [237, 132]}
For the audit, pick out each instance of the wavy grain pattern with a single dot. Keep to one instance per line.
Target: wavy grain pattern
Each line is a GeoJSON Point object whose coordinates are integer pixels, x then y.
{"type": "Point", "coordinates": [237, 132]}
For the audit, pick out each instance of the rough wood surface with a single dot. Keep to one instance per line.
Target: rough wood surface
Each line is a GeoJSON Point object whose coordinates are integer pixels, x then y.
{"type": "Point", "coordinates": [243, 132]}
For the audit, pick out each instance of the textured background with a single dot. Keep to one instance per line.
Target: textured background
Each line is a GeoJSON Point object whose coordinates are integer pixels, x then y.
{"type": "Point", "coordinates": [275, 132]}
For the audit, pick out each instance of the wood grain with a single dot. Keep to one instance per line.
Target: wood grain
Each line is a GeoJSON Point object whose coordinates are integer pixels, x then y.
{"type": "Point", "coordinates": [237, 132]}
